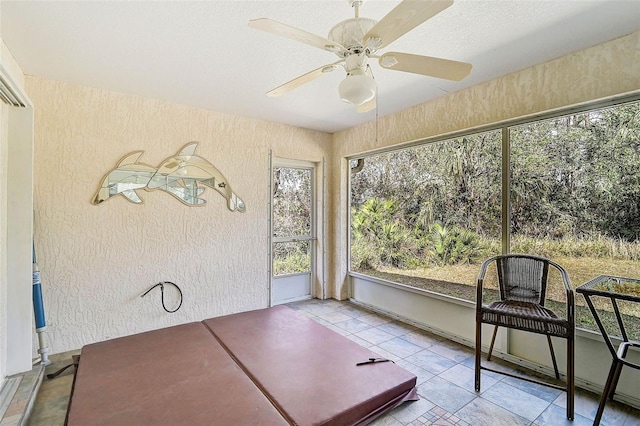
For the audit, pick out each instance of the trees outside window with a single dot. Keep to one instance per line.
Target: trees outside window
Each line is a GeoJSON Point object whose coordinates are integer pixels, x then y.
{"type": "Point", "coordinates": [292, 227]}
{"type": "Point", "coordinates": [422, 216]}
{"type": "Point", "coordinates": [427, 216]}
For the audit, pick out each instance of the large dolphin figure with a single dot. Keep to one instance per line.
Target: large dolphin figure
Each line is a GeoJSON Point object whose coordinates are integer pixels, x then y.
{"type": "Point", "coordinates": [185, 169]}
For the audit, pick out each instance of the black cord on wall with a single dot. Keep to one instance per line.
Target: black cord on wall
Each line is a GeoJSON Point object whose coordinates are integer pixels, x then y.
{"type": "Point", "coordinates": [161, 284]}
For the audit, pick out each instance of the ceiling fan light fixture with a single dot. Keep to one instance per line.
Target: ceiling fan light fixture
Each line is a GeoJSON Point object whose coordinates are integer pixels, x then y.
{"type": "Point", "coordinates": [357, 89]}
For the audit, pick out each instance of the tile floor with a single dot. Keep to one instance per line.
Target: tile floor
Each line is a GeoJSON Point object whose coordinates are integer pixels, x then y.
{"type": "Point", "coordinates": [445, 379]}
{"type": "Point", "coordinates": [18, 401]}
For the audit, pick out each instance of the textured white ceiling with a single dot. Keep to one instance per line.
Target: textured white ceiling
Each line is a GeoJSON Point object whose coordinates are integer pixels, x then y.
{"type": "Point", "coordinates": [202, 53]}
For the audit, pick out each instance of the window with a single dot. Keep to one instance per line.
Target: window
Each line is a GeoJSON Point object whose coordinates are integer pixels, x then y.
{"type": "Point", "coordinates": [427, 216]}
{"type": "Point", "coordinates": [575, 197]}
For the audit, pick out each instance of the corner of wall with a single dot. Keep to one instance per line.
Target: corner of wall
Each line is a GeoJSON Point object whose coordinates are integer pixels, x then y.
{"type": "Point", "coordinates": [11, 65]}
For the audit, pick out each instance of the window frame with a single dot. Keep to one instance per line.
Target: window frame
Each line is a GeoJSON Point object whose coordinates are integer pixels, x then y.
{"type": "Point", "coordinates": [504, 127]}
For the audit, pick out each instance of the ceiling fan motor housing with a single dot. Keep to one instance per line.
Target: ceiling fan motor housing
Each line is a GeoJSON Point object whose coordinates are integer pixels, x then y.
{"type": "Point", "coordinates": [350, 34]}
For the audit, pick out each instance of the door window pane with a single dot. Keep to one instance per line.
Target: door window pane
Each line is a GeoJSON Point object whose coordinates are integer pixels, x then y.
{"type": "Point", "coordinates": [291, 258]}
{"type": "Point", "coordinates": [291, 202]}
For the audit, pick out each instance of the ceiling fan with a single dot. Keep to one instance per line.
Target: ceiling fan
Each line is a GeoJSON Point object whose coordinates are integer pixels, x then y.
{"type": "Point", "coordinates": [356, 40]}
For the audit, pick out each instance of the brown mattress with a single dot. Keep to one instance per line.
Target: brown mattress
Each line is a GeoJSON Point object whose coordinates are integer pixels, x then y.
{"type": "Point", "coordinates": [173, 376]}
{"type": "Point", "coordinates": [264, 367]}
{"type": "Point", "coordinates": [308, 371]}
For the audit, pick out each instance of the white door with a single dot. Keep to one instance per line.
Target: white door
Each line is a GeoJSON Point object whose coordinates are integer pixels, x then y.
{"type": "Point", "coordinates": [293, 229]}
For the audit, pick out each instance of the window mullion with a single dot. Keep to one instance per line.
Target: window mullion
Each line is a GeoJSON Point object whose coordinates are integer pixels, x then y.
{"type": "Point", "coordinates": [506, 191]}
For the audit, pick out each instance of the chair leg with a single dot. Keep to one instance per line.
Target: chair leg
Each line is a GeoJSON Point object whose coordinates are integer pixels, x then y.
{"type": "Point", "coordinates": [605, 392]}
{"type": "Point", "coordinates": [571, 388]}
{"type": "Point", "coordinates": [553, 357]}
{"type": "Point", "coordinates": [478, 354]}
{"type": "Point", "coordinates": [493, 339]}
{"type": "Point", "coordinates": [617, 375]}
{"type": "Point", "coordinates": [614, 382]}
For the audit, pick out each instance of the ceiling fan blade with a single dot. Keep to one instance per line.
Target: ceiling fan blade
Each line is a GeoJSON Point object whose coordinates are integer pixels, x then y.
{"type": "Point", "coordinates": [303, 79]}
{"type": "Point", "coordinates": [425, 65]}
{"type": "Point", "coordinates": [403, 18]}
{"type": "Point", "coordinates": [293, 33]}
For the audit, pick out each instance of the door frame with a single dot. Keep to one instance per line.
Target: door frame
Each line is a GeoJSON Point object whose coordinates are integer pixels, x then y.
{"type": "Point", "coordinates": [16, 216]}
{"type": "Point", "coordinates": [317, 237]}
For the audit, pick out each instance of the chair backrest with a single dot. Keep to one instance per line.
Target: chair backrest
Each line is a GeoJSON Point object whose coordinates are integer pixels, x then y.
{"type": "Point", "coordinates": [522, 278]}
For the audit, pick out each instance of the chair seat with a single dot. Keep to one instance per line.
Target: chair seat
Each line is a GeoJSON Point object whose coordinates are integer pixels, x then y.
{"type": "Point", "coordinates": [525, 316]}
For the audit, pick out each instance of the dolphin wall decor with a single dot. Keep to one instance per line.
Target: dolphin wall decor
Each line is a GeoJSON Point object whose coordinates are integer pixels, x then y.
{"type": "Point", "coordinates": [180, 175]}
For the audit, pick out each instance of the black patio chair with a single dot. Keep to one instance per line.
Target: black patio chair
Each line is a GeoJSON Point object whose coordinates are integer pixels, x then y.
{"type": "Point", "coordinates": [522, 282]}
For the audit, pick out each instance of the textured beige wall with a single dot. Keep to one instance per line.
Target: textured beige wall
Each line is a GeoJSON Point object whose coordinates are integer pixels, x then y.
{"type": "Point", "coordinates": [10, 65]}
{"type": "Point", "coordinates": [97, 260]}
{"type": "Point", "coordinates": [601, 71]}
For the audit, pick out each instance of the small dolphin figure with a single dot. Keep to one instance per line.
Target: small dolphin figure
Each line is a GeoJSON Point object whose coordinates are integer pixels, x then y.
{"type": "Point", "coordinates": [190, 169]}
{"type": "Point", "coordinates": [128, 176]}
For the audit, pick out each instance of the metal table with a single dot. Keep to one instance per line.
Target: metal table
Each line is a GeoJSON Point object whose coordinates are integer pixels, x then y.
{"type": "Point", "coordinates": [614, 289]}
